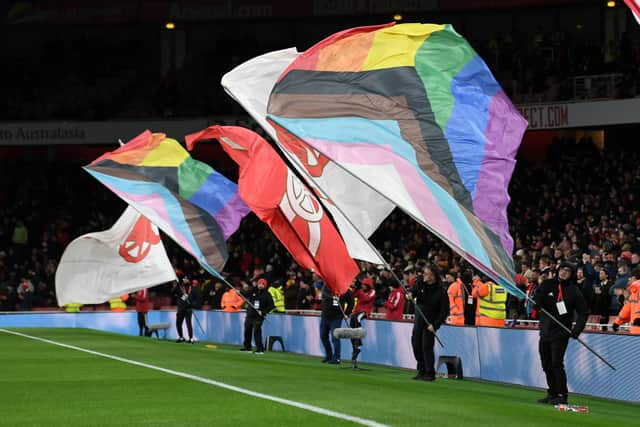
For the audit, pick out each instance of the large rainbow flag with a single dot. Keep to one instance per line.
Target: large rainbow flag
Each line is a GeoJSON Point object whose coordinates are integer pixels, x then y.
{"type": "Point", "coordinates": [415, 113]}
{"type": "Point", "coordinates": [188, 200]}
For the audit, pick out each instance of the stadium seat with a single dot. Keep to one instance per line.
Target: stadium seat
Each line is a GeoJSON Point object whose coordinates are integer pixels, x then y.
{"type": "Point", "coordinates": [454, 366]}
{"type": "Point", "coordinates": [272, 339]}
{"type": "Point", "coordinates": [155, 327]}
{"type": "Point", "coordinates": [593, 322]}
{"type": "Point", "coordinates": [161, 301]}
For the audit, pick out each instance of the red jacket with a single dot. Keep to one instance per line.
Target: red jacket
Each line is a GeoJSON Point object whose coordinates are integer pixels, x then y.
{"type": "Point", "coordinates": [365, 300]}
{"type": "Point", "coordinates": [142, 301]}
{"type": "Point", "coordinates": [395, 304]}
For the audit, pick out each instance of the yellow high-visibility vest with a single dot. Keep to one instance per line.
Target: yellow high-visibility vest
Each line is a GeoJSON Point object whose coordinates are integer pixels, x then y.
{"type": "Point", "coordinates": [493, 305]}
{"type": "Point", "coordinates": [278, 298]}
{"type": "Point", "coordinates": [116, 304]}
{"type": "Point", "coordinates": [72, 308]}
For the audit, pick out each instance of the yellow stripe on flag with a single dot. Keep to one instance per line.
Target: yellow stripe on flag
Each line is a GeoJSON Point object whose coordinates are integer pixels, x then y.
{"type": "Point", "coordinates": [403, 40]}
{"type": "Point", "coordinates": [168, 153]}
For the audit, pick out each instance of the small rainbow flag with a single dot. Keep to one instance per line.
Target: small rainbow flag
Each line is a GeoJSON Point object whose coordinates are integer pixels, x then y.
{"type": "Point", "coordinates": [188, 200]}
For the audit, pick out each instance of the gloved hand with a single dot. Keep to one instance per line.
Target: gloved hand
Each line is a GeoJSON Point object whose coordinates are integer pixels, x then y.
{"type": "Point", "coordinates": [615, 327]}
{"type": "Point", "coordinates": [636, 322]}
{"type": "Point", "coordinates": [184, 297]}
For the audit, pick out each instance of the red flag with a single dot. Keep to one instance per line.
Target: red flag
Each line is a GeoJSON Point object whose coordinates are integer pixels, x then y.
{"type": "Point", "coordinates": [287, 205]}
{"type": "Point", "coordinates": [634, 5]}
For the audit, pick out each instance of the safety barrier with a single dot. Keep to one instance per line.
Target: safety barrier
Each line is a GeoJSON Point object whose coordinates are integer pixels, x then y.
{"type": "Point", "coordinates": [508, 355]}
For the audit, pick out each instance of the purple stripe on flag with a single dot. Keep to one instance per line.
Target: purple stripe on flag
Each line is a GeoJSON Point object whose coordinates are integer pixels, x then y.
{"type": "Point", "coordinates": [380, 154]}
{"type": "Point", "coordinates": [231, 214]}
{"type": "Point", "coordinates": [503, 135]}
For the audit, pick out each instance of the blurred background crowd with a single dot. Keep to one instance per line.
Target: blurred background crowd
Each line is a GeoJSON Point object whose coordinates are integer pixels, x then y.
{"type": "Point", "coordinates": [580, 203]}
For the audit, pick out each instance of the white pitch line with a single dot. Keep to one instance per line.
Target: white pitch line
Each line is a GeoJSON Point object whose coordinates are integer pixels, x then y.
{"type": "Point", "coordinates": [316, 409]}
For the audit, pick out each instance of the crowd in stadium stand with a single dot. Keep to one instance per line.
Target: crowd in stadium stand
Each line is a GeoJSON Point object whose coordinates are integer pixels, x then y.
{"type": "Point", "coordinates": [530, 68]}
{"type": "Point", "coordinates": [581, 205]}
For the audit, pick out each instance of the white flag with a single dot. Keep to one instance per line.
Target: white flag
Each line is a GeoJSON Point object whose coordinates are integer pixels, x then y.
{"type": "Point", "coordinates": [99, 266]}
{"type": "Point", "coordinates": [357, 209]}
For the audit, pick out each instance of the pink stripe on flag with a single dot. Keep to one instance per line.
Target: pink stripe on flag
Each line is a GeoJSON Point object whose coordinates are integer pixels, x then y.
{"type": "Point", "coordinates": [156, 203]}
{"type": "Point", "coordinates": [376, 155]}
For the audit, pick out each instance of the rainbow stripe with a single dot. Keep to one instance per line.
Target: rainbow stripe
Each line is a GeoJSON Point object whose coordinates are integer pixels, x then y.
{"type": "Point", "coordinates": [412, 110]}
{"type": "Point", "coordinates": [188, 200]}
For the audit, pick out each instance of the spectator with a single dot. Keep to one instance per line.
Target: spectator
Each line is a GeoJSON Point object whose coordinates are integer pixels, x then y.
{"type": "Point", "coordinates": [142, 308]}
{"type": "Point", "coordinates": [291, 294]}
{"type": "Point", "coordinates": [601, 297]}
{"type": "Point", "coordinates": [231, 301]}
{"type": "Point", "coordinates": [395, 303]}
{"type": "Point", "coordinates": [617, 290]}
{"type": "Point", "coordinates": [630, 312]}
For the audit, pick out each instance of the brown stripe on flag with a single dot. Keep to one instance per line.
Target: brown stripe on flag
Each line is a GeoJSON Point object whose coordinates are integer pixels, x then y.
{"type": "Point", "coordinates": [215, 255]}
{"type": "Point", "coordinates": [368, 106]}
{"type": "Point", "coordinates": [108, 167]}
{"type": "Point", "coordinates": [500, 260]}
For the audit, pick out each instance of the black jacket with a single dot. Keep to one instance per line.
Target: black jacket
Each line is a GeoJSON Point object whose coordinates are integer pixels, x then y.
{"type": "Point", "coordinates": [187, 297]}
{"type": "Point", "coordinates": [433, 301]}
{"type": "Point", "coordinates": [546, 297]}
{"type": "Point", "coordinates": [331, 311]}
{"type": "Point", "coordinates": [259, 300]}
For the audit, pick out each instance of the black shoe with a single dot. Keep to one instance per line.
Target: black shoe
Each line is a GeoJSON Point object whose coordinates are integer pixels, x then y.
{"type": "Point", "coordinates": [245, 349]}
{"type": "Point", "coordinates": [545, 400]}
{"type": "Point", "coordinates": [326, 360]}
{"type": "Point", "coordinates": [427, 378]}
{"type": "Point", "coordinates": [180, 339]}
{"type": "Point", "coordinates": [418, 376]}
{"type": "Point", "coordinates": [334, 362]}
{"type": "Point", "coordinates": [558, 400]}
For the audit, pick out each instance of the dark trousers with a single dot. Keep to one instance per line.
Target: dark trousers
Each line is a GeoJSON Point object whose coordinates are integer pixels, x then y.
{"type": "Point", "coordinates": [552, 358]}
{"type": "Point", "coordinates": [422, 342]}
{"type": "Point", "coordinates": [142, 323]}
{"type": "Point", "coordinates": [253, 326]}
{"type": "Point", "coordinates": [326, 330]}
{"type": "Point", "coordinates": [181, 316]}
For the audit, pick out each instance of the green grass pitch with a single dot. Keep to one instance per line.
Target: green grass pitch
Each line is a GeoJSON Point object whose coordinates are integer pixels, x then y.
{"type": "Point", "coordinates": [42, 384]}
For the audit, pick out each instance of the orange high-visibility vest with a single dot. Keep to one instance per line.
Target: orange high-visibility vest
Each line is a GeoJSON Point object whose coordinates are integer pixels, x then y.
{"type": "Point", "coordinates": [456, 303]}
{"type": "Point", "coordinates": [631, 309]}
{"type": "Point", "coordinates": [231, 301]}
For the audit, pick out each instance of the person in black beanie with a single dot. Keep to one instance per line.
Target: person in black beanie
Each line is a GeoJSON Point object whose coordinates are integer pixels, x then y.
{"type": "Point", "coordinates": [432, 300]}
{"type": "Point", "coordinates": [562, 298]}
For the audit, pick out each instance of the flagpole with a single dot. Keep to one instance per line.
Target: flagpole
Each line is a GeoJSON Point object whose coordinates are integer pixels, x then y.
{"type": "Point", "coordinates": [371, 246]}
{"type": "Point", "coordinates": [418, 310]}
{"type": "Point", "coordinates": [567, 330]}
{"type": "Point", "coordinates": [230, 286]}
